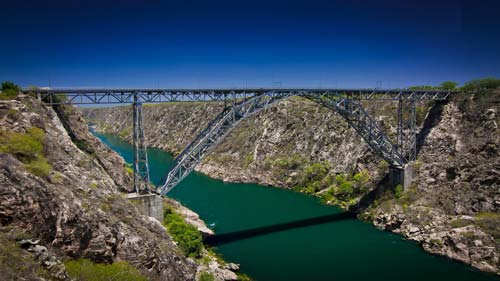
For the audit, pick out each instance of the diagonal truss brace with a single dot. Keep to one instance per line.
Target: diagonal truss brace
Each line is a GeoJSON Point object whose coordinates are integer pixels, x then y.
{"type": "Point", "coordinates": [356, 116]}
{"type": "Point", "coordinates": [213, 134]}
{"type": "Point", "coordinates": [141, 168]}
{"type": "Point", "coordinates": [220, 127]}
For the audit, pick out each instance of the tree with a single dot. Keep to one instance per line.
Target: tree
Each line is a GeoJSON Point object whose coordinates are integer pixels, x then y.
{"type": "Point", "coordinates": [448, 85]}
{"type": "Point", "coordinates": [484, 83]}
{"type": "Point", "coordinates": [9, 90]}
{"type": "Point", "coordinates": [8, 85]}
{"type": "Point", "coordinates": [422, 87]}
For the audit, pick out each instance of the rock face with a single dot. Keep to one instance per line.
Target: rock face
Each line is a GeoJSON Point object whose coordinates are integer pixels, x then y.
{"type": "Point", "coordinates": [457, 172]}
{"type": "Point", "coordinates": [76, 210]}
{"type": "Point", "coordinates": [453, 208]}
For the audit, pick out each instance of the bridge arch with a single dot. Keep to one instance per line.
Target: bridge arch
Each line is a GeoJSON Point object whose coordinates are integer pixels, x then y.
{"type": "Point", "coordinates": [208, 139]}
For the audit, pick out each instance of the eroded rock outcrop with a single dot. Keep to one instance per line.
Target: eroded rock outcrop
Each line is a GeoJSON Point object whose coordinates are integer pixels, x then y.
{"type": "Point", "coordinates": [74, 207]}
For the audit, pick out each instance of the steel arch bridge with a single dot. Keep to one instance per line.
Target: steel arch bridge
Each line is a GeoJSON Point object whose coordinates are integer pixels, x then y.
{"type": "Point", "coordinates": [243, 103]}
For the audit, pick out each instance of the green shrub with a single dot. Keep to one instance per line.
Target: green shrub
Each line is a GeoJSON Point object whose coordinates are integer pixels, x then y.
{"type": "Point", "coordinates": [248, 160]}
{"type": "Point", "coordinates": [489, 223]}
{"type": "Point", "coordinates": [460, 223]}
{"type": "Point", "coordinates": [188, 238]}
{"type": "Point", "coordinates": [383, 165]}
{"type": "Point", "coordinates": [39, 167]}
{"type": "Point", "coordinates": [28, 148]}
{"type": "Point", "coordinates": [422, 87]}
{"type": "Point", "coordinates": [398, 191]}
{"type": "Point", "coordinates": [128, 168]}
{"type": "Point", "coordinates": [448, 85]}
{"type": "Point", "coordinates": [205, 276]}
{"type": "Point", "coordinates": [23, 146]}
{"type": "Point", "coordinates": [9, 90]}
{"type": "Point", "coordinates": [316, 171]}
{"type": "Point", "coordinates": [480, 84]}
{"type": "Point", "coordinates": [86, 270]}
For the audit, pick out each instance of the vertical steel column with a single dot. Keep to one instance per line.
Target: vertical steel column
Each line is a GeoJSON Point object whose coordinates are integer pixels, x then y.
{"type": "Point", "coordinates": [141, 167]}
{"type": "Point", "coordinates": [407, 133]}
{"type": "Point", "coordinates": [412, 138]}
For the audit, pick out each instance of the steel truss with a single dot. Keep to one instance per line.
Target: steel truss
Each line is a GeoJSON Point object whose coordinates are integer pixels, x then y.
{"type": "Point", "coordinates": [141, 167]}
{"type": "Point", "coordinates": [216, 130]}
{"type": "Point", "coordinates": [114, 96]}
{"type": "Point", "coordinates": [355, 115]}
{"type": "Point", "coordinates": [244, 103]}
{"type": "Point", "coordinates": [407, 132]}
{"type": "Point", "coordinates": [214, 133]}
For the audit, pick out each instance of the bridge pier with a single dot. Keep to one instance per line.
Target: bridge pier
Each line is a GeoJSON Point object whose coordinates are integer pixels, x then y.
{"type": "Point", "coordinates": [148, 204]}
{"type": "Point", "coordinates": [401, 176]}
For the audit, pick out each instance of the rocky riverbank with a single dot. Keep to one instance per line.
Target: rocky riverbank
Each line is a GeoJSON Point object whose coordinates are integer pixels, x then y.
{"type": "Point", "coordinates": [61, 200]}
{"type": "Point", "coordinates": [451, 209]}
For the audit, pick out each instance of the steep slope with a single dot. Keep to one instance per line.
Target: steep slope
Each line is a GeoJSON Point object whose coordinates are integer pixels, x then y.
{"type": "Point", "coordinates": [62, 188]}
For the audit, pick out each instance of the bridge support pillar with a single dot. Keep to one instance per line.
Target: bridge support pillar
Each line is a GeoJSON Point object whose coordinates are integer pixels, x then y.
{"type": "Point", "coordinates": [401, 176]}
{"type": "Point", "coordinates": [148, 204]}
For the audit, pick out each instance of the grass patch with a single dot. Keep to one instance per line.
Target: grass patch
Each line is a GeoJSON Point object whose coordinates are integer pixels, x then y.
{"type": "Point", "coordinates": [489, 223]}
{"type": "Point", "coordinates": [27, 148]}
{"type": "Point", "coordinates": [16, 263]}
{"type": "Point", "coordinates": [128, 168]}
{"type": "Point", "coordinates": [188, 238]}
{"type": "Point", "coordinates": [205, 276]}
{"type": "Point", "coordinates": [460, 223]}
{"type": "Point", "coordinates": [86, 270]}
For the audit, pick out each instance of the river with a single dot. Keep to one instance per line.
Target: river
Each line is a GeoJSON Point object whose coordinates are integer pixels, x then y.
{"type": "Point", "coordinates": [340, 249]}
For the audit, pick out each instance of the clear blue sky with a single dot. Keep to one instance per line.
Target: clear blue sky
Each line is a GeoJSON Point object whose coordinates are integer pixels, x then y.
{"type": "Point", "coordinates": [187, 43]}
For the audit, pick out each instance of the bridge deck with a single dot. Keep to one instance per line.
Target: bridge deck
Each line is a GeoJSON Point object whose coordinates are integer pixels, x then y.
{"type": "Point", "coordinates": [126, 95]}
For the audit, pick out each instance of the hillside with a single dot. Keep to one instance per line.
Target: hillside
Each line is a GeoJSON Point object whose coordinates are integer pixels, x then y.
{"type": "Point", "coordinates": [63, 212]}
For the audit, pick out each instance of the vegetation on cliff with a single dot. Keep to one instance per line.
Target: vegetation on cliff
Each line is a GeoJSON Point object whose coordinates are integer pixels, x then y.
{"type": "Point", "coordinates": [188, 238]}
{"type": "Point", "coordinates": [86, 270]}
{"type": "Point", "coordinates": [28, 148]}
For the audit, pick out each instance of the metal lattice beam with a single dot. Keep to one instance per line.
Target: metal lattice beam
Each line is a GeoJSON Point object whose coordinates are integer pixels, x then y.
{"type": "Point", "coordinates": [115, 96]}
{"type": "Point", "coordinates": [213, 134]}
{"type": "Point", "coordinates": [216, 130]}
{"type": "Point", "coordinates": [141, 167]}
{"type": "Point", "coordinates": [356, 116]}
{"type": "Point", "coordinates": [407, 132]}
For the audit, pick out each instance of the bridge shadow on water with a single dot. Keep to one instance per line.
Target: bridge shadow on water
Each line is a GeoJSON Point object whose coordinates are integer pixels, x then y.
{"type": "Point", "coordinates": [224, 238]}
{"type": "Point", "coordinates": [432, 119]}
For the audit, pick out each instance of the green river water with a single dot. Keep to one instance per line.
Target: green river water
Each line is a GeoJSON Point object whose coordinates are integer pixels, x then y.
{"type": "Point", "coordinates": [346, 249]}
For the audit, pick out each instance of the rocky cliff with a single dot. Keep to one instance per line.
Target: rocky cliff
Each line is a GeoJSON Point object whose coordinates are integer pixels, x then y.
{"type": "Point", "coordinates": [452, 207]}
{"type": "Point", "coordinates": [60, 199]}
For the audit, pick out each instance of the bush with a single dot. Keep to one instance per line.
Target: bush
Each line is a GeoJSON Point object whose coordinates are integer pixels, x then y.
{"type": "Point", "coordinates": [205, 276]}
{"type": "Point", "coordinates": [489, 223]}
{"type": "Point", "coordinates": [448, 85]}
{"type": "Point", "coordinates": [480, 84]}
{"type": "Point", "coordinates": [188, 238]}
{"type": "Point", "coordinates": [398, 191]}
{"type": "Point", "coordinates": [128, 168]}
{"type": "Point", "coordinates": [9, 90]}
{"type": "Point", "coordinates": [460, 223]}
{"type": "Point", "coordinates": [316, 171]}
{"type": "Point", "coordinates": [39, 167]}
{"type": "Point", "coordinates": [86, 270]}
{"type": "Point", "coordinates": [27, 148]}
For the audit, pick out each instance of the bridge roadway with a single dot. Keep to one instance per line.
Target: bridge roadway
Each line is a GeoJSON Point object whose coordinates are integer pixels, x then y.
{"type": "Point", "coordinates": [113, 96]}
{"type": "Point", "coordinates": [244, 103]}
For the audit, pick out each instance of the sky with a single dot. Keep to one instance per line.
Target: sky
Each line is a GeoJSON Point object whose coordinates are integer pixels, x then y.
{"type": "Point", "coordinates": [272, 43]}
